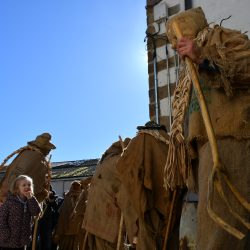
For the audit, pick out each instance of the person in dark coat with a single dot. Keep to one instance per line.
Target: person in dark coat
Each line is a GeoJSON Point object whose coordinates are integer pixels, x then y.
{"type": "Point", "coordinates": [48, 221]}
{"type": "Point", "coordinates": [16, 214]}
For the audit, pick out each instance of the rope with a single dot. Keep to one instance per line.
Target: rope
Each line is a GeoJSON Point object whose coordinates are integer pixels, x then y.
{"type": "Point", "coordinates": [28, 147]}
{"type": "Point", "coordinates": [155, 133]}
{"type": "Point", "coordinates": [175, 171]}
{"type": "Point", "coordinates": [37, 218]}
{"type": "Point", "coordinates": [3, 167]}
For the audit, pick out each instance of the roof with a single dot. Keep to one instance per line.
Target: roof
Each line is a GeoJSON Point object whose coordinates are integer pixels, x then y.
{"type": "Point", "coordinates": [71, 169]}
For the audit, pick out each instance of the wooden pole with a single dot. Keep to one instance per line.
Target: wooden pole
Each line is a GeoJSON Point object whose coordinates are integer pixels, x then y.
{"type": "Point", "coordinates": [35, 233]}
{"type": "Point", "coordinates": [204, 110]}
{"type": "Point", "coordinates": [121, 219]}
{"type": "Point", "coordinates": [169, 221]}
{"type": "Point", "coordinates": [85, 241]}
{"type": "Point", "coordinates": [120, 233]}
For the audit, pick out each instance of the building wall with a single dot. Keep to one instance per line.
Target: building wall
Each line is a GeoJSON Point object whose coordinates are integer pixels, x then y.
{"type": "Point", "coordinates": [217, 10]}
{"type": "Point", "coordinates": [162, 61]}
{"type": "Point", "coordinates": [158, 13]}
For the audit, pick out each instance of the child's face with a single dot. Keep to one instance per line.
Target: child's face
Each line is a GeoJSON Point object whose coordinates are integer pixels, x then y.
{"type": "Point", "coordinates": [24, 186]}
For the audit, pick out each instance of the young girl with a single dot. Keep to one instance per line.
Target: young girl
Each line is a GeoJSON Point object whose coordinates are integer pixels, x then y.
{"type": "Point", "coordinates": [16, 214]}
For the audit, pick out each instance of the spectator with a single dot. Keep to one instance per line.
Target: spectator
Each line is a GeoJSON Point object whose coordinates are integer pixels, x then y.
{"type": "Point", "coordinates": [48, 221]}
{"type": "Point", "coordinates": [16, 214]}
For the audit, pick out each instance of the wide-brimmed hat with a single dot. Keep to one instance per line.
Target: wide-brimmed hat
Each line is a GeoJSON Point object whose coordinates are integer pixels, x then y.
{"type": "Point", "coordinates": [43, 141]}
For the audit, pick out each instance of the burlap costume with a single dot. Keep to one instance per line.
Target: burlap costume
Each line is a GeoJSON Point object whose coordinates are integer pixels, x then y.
{"type": "Point", "coordinates": [141, 170]}
{"type": "Point", "coordinates": [31, 161]}
{"type": "Point", "coordinates": [79, 210]}
{"type": "Point", "coordinates": [102, 216]}
{"type": "Point", "coordinates": [231, 122]}
{"type": "Point", "coordinates": [224, 79]}
{"type": "Point", "coordinates": [67, 229]}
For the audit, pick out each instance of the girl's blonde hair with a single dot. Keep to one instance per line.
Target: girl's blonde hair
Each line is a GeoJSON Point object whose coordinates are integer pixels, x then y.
{"type": "Point", "coordinates": [14, 188]}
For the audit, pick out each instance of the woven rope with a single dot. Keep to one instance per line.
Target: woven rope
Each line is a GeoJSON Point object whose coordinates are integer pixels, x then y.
{"type": "Point", "coordinates": [175, 172]}
{"type": "Point", "coordinates": [155, 133]}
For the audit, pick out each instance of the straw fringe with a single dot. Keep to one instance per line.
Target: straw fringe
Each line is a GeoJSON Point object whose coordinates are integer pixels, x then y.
{"type": "Point", "coordinates": [176, 168]}
{"type": "Point", "coordinates": [227, 66]}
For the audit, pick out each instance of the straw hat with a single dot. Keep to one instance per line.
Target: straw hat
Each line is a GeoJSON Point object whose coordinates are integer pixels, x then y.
{"type": "Point", "coordinates": [42, 141]}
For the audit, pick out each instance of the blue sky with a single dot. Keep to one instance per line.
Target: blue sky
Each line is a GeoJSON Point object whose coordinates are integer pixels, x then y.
{"type": "Point", "coordinates": [76, 69]}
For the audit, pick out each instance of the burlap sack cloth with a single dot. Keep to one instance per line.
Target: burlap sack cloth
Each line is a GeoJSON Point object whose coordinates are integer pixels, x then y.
{"type": "Point", "coordinates": [235, 155]}
{"type": "Point", "coordinates": [231, 122]}
{"type": "Point", "coordinates": [141, 170]}
{"type": "Point", "coordinates": [102, 216]}
{"type": "Point", "coordinates": [79, 210]}
{"type": "Point", "coordinates": [67, 229]}
{"type": "Point", "coordinates": [225, 81]}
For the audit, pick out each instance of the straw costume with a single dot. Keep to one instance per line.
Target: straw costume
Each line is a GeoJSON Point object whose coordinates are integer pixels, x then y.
{"type": "Point", "coordinates": [31, 160]}
{"type": "Point", "coordinates": [224, 76]}
{"type": "Point", "coordinates": [102, 216]}
{"type": "Point", "coordinates": [67, 230]}
{"type": "Point", "coordinates": [141, 169]}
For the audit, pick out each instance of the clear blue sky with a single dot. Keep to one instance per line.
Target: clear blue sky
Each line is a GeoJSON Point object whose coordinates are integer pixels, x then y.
{"type": "Point", "coordinates": [74, 68]}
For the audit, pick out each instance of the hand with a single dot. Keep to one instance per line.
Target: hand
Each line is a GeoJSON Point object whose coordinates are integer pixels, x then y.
{"type": "Point", "coordinates": [28, 194]}
{"type": "Point", "coordinates": [187, 47]}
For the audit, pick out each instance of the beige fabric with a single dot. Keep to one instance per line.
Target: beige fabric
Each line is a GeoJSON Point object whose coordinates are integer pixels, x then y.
{"type": "Point", "coordinates": [79, 210]}
{"type": "Point", "coordinates": [228, 106]}
{"type": "Point", "coordinates": [102, 214]}
{"type": "Point", "coordinates": [230, 119]}
{"type": "Point", "coordinates": [31, 163]}
{"type": "Point", "coordinates": [141, 172]}
{"type": "Point", "coordinates": [129, 213]}
{"type": "Point", "coordinates": [68, 227]}
{"type": "Point", "coordinates": [229, 116]}
{"type": "Point", "coordinates": [229, 50]}
{"type": "Point", "coordinates": [143, 159]}
{"type": "Point", "coordinates": [80, 207]}
{"type": "Point", "coordinates": [235, 156]}
{"type": "Point", "coordinates": [96, 243]}
{"type": "Point", "coordinates": [226, 87]}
